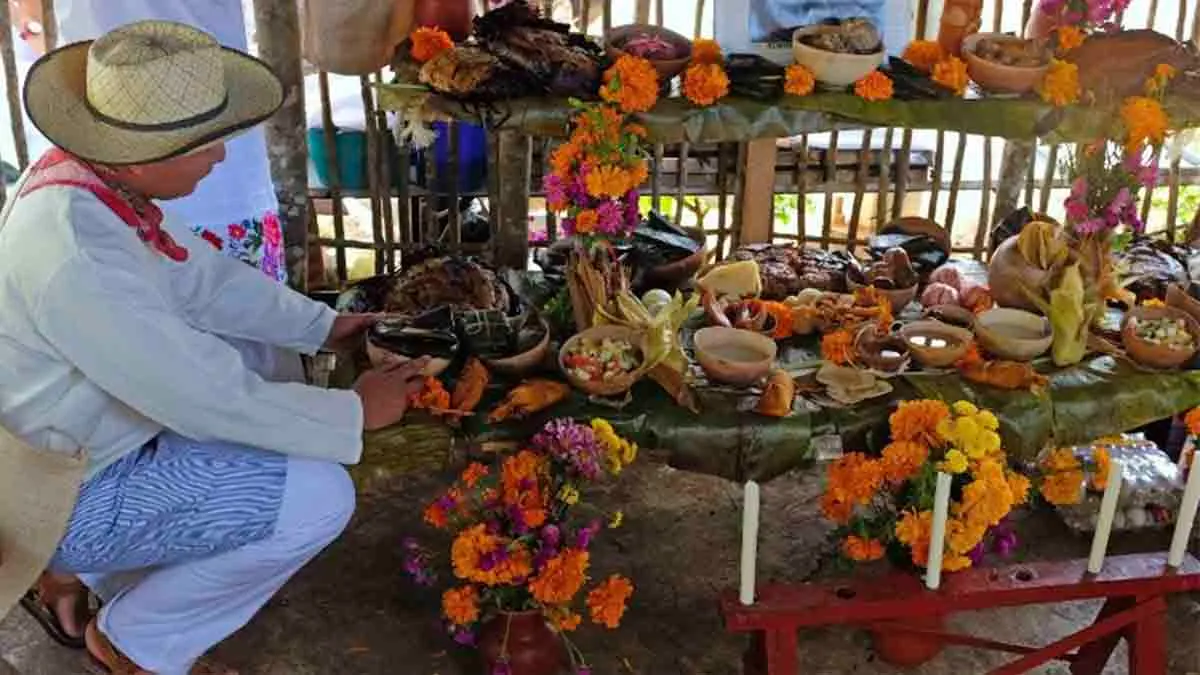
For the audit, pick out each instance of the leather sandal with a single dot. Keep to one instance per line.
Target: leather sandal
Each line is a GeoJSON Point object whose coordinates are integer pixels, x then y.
{"type": "Point", "coordinates": [105, 659]}
{"type": "Point", "coordinates": [41, 602]}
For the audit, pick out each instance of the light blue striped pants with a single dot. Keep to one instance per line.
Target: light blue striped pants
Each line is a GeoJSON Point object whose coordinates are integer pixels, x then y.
{"type": "Point", "coordinates": [186, 541]}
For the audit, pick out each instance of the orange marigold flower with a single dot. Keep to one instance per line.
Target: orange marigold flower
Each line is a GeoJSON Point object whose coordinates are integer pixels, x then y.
{"type": "Point", "coordinates": [1069, 37]}
{"type": "Point", "coordinates": [473, 474]}
{"type": "Point", "coordinates": [564, 622]}
{"type": "Point", "coordinates": [607, 601]}
{"type": "Point", "coordinates": [838, 347]}
{"type": "Point", "coordinates": [917, 421]}
{"type": "Point", "coordinates": [1060, 459]}
{"type": "Point", "coordinates": [1103, 464]}
{"type": "Point", "coordinates": [706, 51]}
{"type": "Point", "coordinates": [962, 535]}
{"type": "Point", "coordinates": [615, 181]}
{"type": "Point", "coordinates": [923, 54]}
{"type": "Point", "coordinates": [585, 222]}
{"type": "Point", "coordinates": [461, 605]}
{"type": "Point", "coordinates": [952, 74]}
{"type": "Point", "coordinates": [862, 550]}
{"type": "Point", "coordinates": [705, 83]}
{"type": "Point", "coordinates": [955, 563]}
{"type": "Point", "coordinates": [836, 509]}
{"type": "Point", "coordinates": [563, 158]}
{"type": "Point", "coordinates": [428, 42]}
{"type": "Point", "coordinates": [561, 578]}
{"type": "Point", "coordinates": [436, 516]}
{"type": "Point", "coordinates": [1018, 487]}
{"type": "Point", "coordinates": [1192, 420]}
{"type": "Point", "coordinates": [1165, 71]}
{"type": "Point", "coordinates": [914, 530]}
{"type": "Point", "coordinates": [852, 479]}
{"type": "Point", "coordinates": [1145, 122]}
{"type": "Point", "coordinates": [1060, 85]}
{"type": "Point", "coordinates": [474, 543]}
{"type": "Point", "coordinates": [631, 83]}
{"type": "Point", "coordinates": [903, 459]}
{"type": "Point", "coordinates": [1063, 488]}
{"type": "Point", "coordinates": [874, 87]}
{"type": "Point", "coordinates": [433, 396]}
{"type": "Point", "coordinates": [799, 80]}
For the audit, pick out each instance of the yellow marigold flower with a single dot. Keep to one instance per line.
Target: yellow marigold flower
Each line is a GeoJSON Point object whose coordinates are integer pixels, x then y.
{"type": "Point", "coordinates": [616, 519]}
{"type": "Point", "coordinates": [1069, 37]}
{"type": "Point", "coordinates": [1192, 421]}
{"type": "Point", "coordinates": [862, 550]}
{"type": "Point", "coordinates": [1145, 122]}
{"type": "Point", "coordinates": [874, 87]}
{"type": "Point", "coordinates": [955, 462]}
{"type": "Point", "coordinates": [607, 601]}
{"type": "Point", "coordinates": [569, 495]}
{"type": "Point", "coordinates": [799, 80]}
{"type": "Point", "coordinates": [1060, 86]}
{"type": "Point", "coordinates": [987, 420]}
{"type": "Point", "coordinates": [461, 605]}
{"type": "Point", "coordinates": [963, 535]}
{"type": "Point", "coordinates": [964, 408]}
{"type": "Point", "coordinates": [902, 460]}
{"type": "Point", "coordinates": [706, 51]}
{"type": "Point", "coordinates": [705, 83]}
{"type": "Point", "coordinates": [918, 421]}
{"type": "Point", "coordinates": [956, 563]}
{"type": "Point", "coordinates": [923, 54]}
{"type": "Point", "coordinates": [952, 74]}
{"type": "Point", "coordinates": [631, 83]}
{"type": "Point", "coordinates": [1018, 487]}
{"type": "Point", "coordinates": [428, 42]}
{"type": "Point", "coordinates": [561, 578]}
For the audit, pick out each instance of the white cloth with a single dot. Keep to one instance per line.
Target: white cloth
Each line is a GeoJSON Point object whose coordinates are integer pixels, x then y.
{"type": "Point", "coordinates": [239, 188]}
{"type": "Point", "coordinates": [104, 342]}
{"type": "Point", "coordinates": [166, 618]}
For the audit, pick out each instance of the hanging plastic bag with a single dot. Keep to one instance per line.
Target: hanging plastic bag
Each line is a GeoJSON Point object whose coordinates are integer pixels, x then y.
{"type": "Point", "coordinates": [353, 37]}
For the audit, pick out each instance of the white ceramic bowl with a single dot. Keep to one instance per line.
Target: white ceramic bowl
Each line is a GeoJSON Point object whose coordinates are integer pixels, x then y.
{"type": "Point", "coordinates": [837, 70]}
{"type": "Point", "coordinates": [1013, 334]}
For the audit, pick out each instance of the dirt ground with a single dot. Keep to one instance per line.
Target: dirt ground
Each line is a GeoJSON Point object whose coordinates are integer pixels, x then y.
{"type": "Point", "coordinates": [353, 611]}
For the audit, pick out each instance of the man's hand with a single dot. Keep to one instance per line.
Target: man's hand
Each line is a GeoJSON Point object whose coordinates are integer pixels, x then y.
{"type": "Point", "coordinates": [346, 334]}
{"type": "Point", "coordinates": [385, 391]}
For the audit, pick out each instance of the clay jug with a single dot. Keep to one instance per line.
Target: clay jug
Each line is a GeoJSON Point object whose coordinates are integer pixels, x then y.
{"type": "Point", "coordinates": [452, 16]}
{"type": "Point", "coordinates": [960, 18]}
{"type": "Point", "coordinates": [909, 650]}
{"type": "Point", "coordinates": [525, 641]}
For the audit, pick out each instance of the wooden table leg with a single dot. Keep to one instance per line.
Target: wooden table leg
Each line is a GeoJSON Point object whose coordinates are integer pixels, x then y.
{"type": "Point", "coordinates": [772, 652]}
{"type": "Point", "coordinates": [1148, 640]}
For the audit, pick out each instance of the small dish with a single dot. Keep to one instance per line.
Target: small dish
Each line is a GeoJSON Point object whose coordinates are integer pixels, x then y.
{"type": "Point", "coordinates": [667, 68]}
{"type": "Point", "coordinates": [997, 77]}
{"type": "Point", "coordinates": [734, 356]}
{"type": "Point", "coordinates": [1153, 354]}
{"type": "Point", "coordinates": [832, 68]}
{"type": "Point", "coordinates": [611, 386]}
{"type": "Point", "coordinates": [1013, 334]}
{"type": "Point", "coordinates": [899, 298]}
{"type": "Point", "coordinates": [526, 361]}
{"type": "Point", "coordinates": [885, 353]}
{"type": "Point", "coordinates": [935, 344]}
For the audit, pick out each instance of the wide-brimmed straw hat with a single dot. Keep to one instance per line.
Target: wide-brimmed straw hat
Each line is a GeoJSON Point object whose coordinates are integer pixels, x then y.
{"type": "Point", "coordinates": [146, 92]}
{"type": "Point", "coordinates": [38, 489]}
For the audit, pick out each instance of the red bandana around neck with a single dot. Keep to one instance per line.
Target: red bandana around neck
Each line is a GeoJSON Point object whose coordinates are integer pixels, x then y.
{"type": "Point", "coordinates": [57, 167]}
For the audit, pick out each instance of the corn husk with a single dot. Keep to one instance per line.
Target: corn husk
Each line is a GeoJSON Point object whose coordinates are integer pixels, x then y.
{"type": "Point", "coordinates": [665, 361]}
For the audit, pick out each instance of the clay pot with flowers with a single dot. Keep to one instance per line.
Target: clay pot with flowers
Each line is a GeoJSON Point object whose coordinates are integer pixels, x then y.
{"type": "Point", "coordinates": [521, 560]}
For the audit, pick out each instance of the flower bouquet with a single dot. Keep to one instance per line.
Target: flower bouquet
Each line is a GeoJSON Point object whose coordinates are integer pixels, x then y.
{"type": "Point", "coordinates": [885, 505]}
{"type": "Point", "coordinates": [521, 559]}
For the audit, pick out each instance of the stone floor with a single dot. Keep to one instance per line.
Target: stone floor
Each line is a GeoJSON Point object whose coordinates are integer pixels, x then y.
{"type": "Point", "coordinates": [353, 611]}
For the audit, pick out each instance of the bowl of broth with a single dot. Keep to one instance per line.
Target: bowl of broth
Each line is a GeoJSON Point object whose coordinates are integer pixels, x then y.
{"type": "Point", "coordinates": [935, 344]}
{"type": "Point", "coordinates": [1013, 334]}
{"type": "Point", "coordinates": [734, 356]}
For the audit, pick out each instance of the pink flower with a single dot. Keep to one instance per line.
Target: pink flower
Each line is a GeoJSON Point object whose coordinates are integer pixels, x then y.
{"type": "Point", "coordinates": [1099, 10]}
{"type": "Point", "coordinates": [609, 217]}
{"type": "Point", "coordinates": [237, 231]}
{"type": "Point", "coordinates": [1120, 204]}
{"type": "Point", "coordinates": [1090, 226]}
{"type": "Point", "coordinates": [1052, 6]}
{"type": "Point", "coordinates": [556, 192]}
{"type": "Point", "coordinates": [272, 232]}
{"type": "Point", "coordinates": [1076, 210]}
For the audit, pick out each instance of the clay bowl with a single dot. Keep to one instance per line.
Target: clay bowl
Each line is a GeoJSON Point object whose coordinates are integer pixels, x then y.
{"type": "Point", "coordinates": [832, 68]}
{"type": "Point", "coordinates": [1155, 355]}
{"type": "Point", "coordinates": [888, 354]}
{"type": "Point", "coordinates": [899, 298]}
{"type": "Point", "coordinates": [954, 315]}
{"type": "Point", "coordinates": [935, 344]}
{"type": "Point", "coordinates": [734, 356]}
{"type": "Point", "coordinates": [612, 386]}
{"type": "Point", "coordinates": [667, 68]}
{"type": "Point", "coordinates": [1013, 334]}
{"type": "Point", "coordinates": [673, 274]}
{"type": "Point", "coordinates": [525, 362]}
{"type": "Point", "coordinates": [997, 77]}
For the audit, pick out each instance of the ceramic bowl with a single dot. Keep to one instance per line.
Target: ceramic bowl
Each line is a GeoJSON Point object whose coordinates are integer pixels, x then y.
{"type": "Point", "coordinates": [734, 356]}
{"type": "Point", "coordinates": [832, 68]}
{"type": "Point", "coordinates": [525, 362]}
{"type": "Point", "coordinates": [673, 274]}
{"type": "Point", "coordinates": [997, 77]}
{"type": "Point", "coordinates": [612, 386]}
{"type": "Point", "coordinates": [899, 298]}
{"type": "Point", "coordinates": [935, 344]}
{"type": "Point", "coordinates": [1013, 334]}
{"type": "Point", "coordinates": [1155, 355]}
{"type": "Point", "coordinates": [667, 68]}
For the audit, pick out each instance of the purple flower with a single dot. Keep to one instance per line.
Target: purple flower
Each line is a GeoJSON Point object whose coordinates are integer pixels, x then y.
{"type": "Point", "coordinates": [517, 517]}
{"type": "Point", "coordinates": [1090, 226]}
{"type": "Point", "coordinates": [556, 191]}
{"type": "Point", "coordinates": [583, 538]}
{"type": "Point", "coordinates": [1120, 204]}
{"type": "Point", "coordinates": [573, 444]}
{"type": "Point", "coordinates": [1005, 545]}
{"type": "Point", "coordinates": [1077, 210]}
{"type": "Point", "coordinates": [492, 527]}
{"type": "Point", "coordinates": [977, 554]}
{"type": "Point", "coordinates": [583, 670]}
{"type": "Point", "coordinates": [551, 535]}
{"type": "Point", "coordinates": [633, 215]}
{"type": "Point", "coordinates": [446, 502]}
{"type": "Point", "coordinates": [502, 668]}
{"type": "Point", "coordinates": [568, 226]}
{"type": "Point", "coordinates": [610, 220]}
{"type": "Point", "coordinates": [1099, 10]}
{"type": "Point", "coordinates": [1052, 6]}
{"type": "Point", "coordinates": [577, 189]}
{"type": "Point", "coordinates": [464, 637]}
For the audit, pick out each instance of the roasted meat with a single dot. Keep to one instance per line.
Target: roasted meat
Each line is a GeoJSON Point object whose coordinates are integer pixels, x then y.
{"type": "Point", "coordinates": [453, 282]}
{"type": "Point", "coordinates": [786, 270]}
{"type": "Point", "coordinates": [561, 62]}
{"type": "Point", "coordinates": [1147, 267]}
{"type": "Point", "coordinates": [471, 74]}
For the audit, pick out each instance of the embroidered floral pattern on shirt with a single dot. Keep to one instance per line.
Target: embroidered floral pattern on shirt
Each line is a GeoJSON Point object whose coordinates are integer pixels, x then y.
{"type": "Point", "coordinates": [258, 242]}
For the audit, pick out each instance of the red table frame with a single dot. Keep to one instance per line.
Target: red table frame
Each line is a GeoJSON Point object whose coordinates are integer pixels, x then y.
{"type": "Point", "coordinates": [1134, 588]}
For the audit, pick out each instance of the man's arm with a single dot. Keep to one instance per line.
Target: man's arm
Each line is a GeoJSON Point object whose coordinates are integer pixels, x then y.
{"type": "Point", "coordinates": [122, 335]}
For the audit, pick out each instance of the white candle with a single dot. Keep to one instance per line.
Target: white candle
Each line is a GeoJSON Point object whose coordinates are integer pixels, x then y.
{"type": "Point", "coordinates": [749, 542]}
{"type": "Point", "coordinates": [1187, 516]}
{"type": "Point", "coordinates": [937, 540]}
{"type": "Point", "coordinates": [1108, 509]}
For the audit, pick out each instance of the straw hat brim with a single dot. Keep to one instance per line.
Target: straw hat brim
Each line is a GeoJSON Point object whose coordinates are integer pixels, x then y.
{"type": "Point", "coordinates": [38, 489]}
{"type": "Point", "coordinates": [56, 100]}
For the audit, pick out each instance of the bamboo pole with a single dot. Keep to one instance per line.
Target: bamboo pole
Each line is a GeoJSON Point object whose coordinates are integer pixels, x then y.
{"type": "Point", "coordinates": [333, 169]}
{"type": "Point", "coordinates": [278, 32]}
{"type": "Point", "coordinates": [49, 25]}
{"type": "Point", "coordinates": [11, 82]}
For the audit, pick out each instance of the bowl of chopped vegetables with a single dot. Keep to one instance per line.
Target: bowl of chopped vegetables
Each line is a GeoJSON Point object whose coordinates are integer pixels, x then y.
{"type": "Point", "coordinates": [1160, 337]}
{"type": "Point", "coordinates": [603, 360]}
